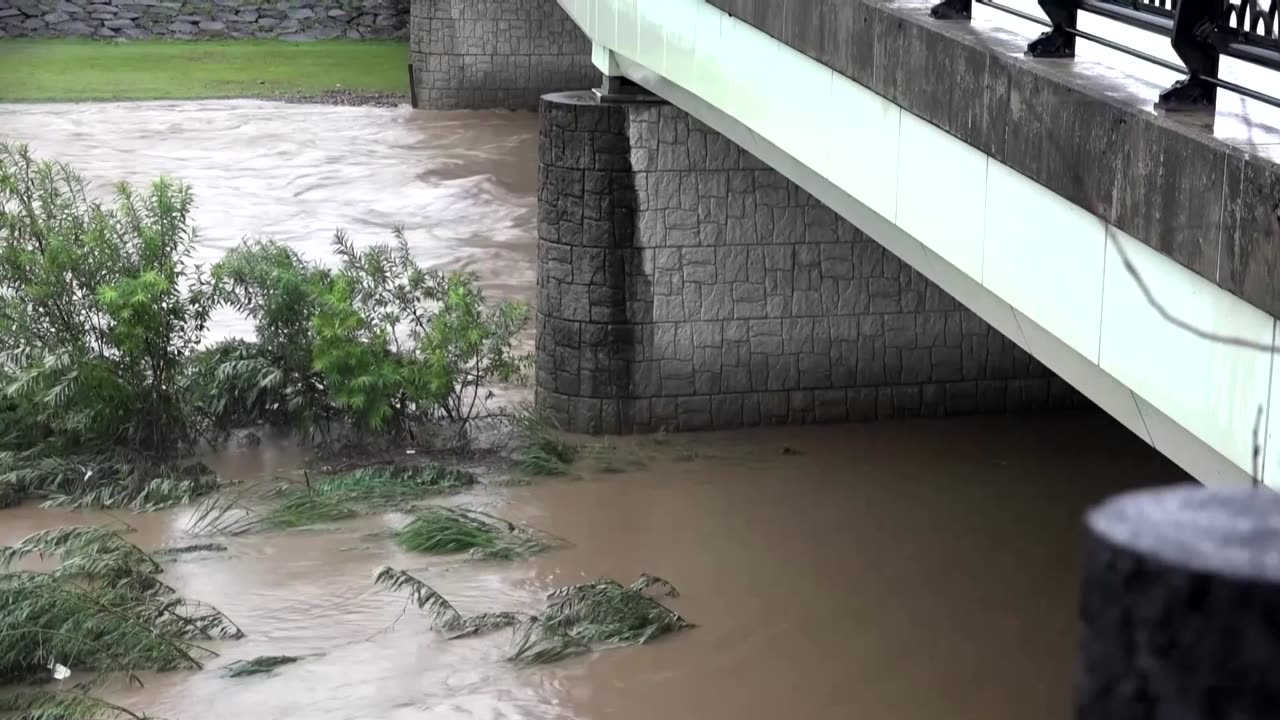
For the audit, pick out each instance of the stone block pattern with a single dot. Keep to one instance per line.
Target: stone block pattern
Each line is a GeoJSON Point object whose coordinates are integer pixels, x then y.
{"type": "Point", "coordinates": [192, 19]}
{"type": "Point", "coordinates": [495, 54]}
{"type": "Point", "coordinates": [685, 285]}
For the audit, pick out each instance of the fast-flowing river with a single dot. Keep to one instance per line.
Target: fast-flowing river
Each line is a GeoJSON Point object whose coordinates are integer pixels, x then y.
{"type": "Point", "coordinates": [918, 570]}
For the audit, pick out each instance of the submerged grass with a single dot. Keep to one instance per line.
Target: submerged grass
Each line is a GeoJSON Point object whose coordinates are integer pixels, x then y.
{"type": "Point", "coordinates": [600, 613]}
{"type": "Point", "coordinates": [608, 457]}
{"type": "Point", "coordinates": [180, 550]}
{"type": "Point", "coordinates": [387, 486]}
{"type": "Point", "coordinates": [338, 497]}
{"type": "Point", "coordinates": [260, 665]}
{"type": "Point", "coordinates": [46, 705]}
{"type": "Point", "coordinates": [541, 450]}
{"type": "Point", "coordinates": [444, 530]}
{"type": "Point", "coordinates": [306, 509]}
{"type": "Point", "coordinates": [102, 608]}
{"type": "Point", "coordinates": [110, 478]}
{"type": "Point", "coordinates": [577, 619]}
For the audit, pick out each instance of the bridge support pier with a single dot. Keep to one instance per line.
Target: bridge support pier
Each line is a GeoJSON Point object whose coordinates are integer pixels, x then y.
{"type": "Point", "coordinates": [685, 285]}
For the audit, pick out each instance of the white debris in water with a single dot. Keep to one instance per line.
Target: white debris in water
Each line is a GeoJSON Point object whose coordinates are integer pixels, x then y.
{"type": "Point", "coordinates": [60, 672]}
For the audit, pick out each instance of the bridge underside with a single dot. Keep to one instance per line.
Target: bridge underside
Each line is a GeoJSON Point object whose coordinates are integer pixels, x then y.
{"type": "Point", "coordinates": [1072, 289]}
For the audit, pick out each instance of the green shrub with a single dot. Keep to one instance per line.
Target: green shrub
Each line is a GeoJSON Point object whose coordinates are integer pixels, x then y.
{"type": "Point", "coordinates": [378, 342]}
{"type": "Point", "coordinates": [400, 346]}
{"type": "Point", "coordinates": [99, 307]}
{"type": "Point", "coordinates": [106, 385]}
{"type": "Point", "coordinates": [270, 381]}
{"type": "Point", "coordinates": [236, 384]}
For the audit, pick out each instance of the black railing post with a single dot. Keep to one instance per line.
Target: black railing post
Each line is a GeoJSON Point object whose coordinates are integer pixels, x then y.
{"type": "Point", "coordinates": [952, 10]}
{"type": "Point", "coordinates": [1193, 28]}
{"type": "Point", "coordinates": [1179, 606]}
{"type": "Point", "coordinates": [1058, 42]}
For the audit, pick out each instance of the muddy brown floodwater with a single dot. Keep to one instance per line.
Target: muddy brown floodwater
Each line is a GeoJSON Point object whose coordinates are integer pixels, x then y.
{"type": "Point", "coordinates": [899, 571]}
{"type": "Point", "coordinates": [919, 570]}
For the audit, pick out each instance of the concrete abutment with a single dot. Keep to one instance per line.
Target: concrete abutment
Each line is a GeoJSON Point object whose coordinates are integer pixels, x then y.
{"type": "Point", "coordinates": [685, 285]}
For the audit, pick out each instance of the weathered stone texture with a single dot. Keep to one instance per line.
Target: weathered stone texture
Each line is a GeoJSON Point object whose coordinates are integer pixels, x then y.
{"type": "Point", "coordinates": [191, 19]}
{"type": "Point", "coordinates": [482, 54]}
{"type": "Point", "coordinates": [685, 285]}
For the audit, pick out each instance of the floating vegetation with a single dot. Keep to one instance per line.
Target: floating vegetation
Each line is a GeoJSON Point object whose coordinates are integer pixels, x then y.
{"type": "Point", "coordinates": [444, 530]}
{"type": "Point", "coordinates": [44, 705]}
{"type": "Point", "coordinates": [305, 509]}
{"type": "Point", "coordinates": [103, 607]}
{"type": "Point", "coordinates": [339, 497]}
{"type": "Point", "coordinates": [180, 550]}
{"type": "Point", "coordinates": [8, 495]}
{"type": "Point", "coordinates": [260, 665]}
{"type": "Point", "coordinates": [441, 612]}
{"type": "Point", "coordinates": [111, 478]}
{"type": "Point", "coordinates": [89, 554]}
{"type": "Point", "coordinates": [382, 487]}
{"type": "Point", "coordinates": [488, 622]}
{"type": "Point", "coordinates": [226, 513]}
{"type": "Point", "coordinates": [601, 613]}
{"type": "Point", "coordinates": [541, 450]}
{"type": "Point", "coordinates": [607, 457]}
{"type": "Point", "coordinates": [578, 618]}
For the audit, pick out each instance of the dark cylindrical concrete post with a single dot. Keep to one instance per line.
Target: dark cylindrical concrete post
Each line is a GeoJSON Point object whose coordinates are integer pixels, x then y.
{"type": "Point", "coordinates": [1181, 607]}
{"type": "Point", "coordinates": [586, 201]}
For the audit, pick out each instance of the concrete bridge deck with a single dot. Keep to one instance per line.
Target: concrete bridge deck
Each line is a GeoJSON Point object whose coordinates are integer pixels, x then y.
{"type": "Point", "coordinates": [1202, 188]}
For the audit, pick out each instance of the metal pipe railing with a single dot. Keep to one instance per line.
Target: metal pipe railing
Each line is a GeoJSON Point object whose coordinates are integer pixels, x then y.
{"type": "Point", "coordinates": [1200, 31]}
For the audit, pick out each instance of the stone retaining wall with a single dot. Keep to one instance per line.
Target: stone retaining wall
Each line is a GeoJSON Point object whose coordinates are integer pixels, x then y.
{"type": "Point", "coordinates": [190, 19]}
{"type": "Point", "coordinates": [685, 285]}
{"type": "Point", "coordinates": [495, 54]}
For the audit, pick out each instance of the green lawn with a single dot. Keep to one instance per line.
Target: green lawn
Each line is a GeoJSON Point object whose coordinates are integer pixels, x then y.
{"type": "Point", "coordinates": [38, 69]}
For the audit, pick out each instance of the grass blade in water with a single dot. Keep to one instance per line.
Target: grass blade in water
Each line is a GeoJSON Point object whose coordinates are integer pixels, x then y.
{"type": "Point", "coordinates": [443, 530]}
{"type": "Point", "coordinates": [541, 451]}
{"type": "Point", "coordinates": [442, 613]}
{"type": "Point", "coordinates": [43, 705]}
{"type": "Point", "coordinates": [260, 665]}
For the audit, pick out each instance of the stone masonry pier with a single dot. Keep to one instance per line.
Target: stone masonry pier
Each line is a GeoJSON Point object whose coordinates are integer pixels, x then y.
{"type": "Point", "coordinates": [494, 54]}
{"type": "Point", "coordinates": [685, 285]}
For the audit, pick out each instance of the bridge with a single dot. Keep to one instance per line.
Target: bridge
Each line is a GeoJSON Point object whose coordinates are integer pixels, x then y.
{"type": "Point", "coordinates": [866, 209]}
